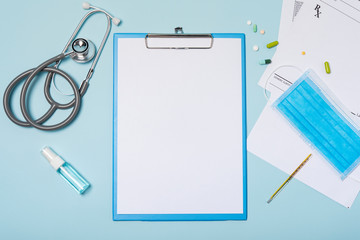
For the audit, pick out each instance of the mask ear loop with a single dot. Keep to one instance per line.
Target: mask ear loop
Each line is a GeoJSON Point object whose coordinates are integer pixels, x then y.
{"type": "Point", "coordinates": [272, 73]}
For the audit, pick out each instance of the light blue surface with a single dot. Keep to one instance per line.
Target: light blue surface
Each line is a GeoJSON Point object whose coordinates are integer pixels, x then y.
{"type": "Point", "coordinates": [180, 217]}
{"type": "Point", "coordinates": [35, 203]}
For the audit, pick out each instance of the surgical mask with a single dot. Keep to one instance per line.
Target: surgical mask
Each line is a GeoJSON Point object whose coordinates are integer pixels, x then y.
{"type": "Point", "coordinates": [321, 123]}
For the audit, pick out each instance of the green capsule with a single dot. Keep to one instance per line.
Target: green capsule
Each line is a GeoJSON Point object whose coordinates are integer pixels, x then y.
{"type": "Point", "coordinates": [272, 44]}
{"type": "Point", "coordinates": [265, 61]}
{"type": "Point", "coordinates": [327, 67]}
{"type": "Point", "coordinates": [255, 28]}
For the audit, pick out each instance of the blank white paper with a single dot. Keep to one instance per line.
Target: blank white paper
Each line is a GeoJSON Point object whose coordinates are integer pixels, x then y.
{"type": "Point", "coordinates": [179, 129]}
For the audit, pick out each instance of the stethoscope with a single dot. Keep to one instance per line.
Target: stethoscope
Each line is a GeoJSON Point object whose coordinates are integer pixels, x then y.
{"type": "Point", "coordinates": [81, 51]}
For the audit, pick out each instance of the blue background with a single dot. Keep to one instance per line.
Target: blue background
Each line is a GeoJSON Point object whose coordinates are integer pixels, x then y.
{"type": "Point", "coordinates": [36, 203]}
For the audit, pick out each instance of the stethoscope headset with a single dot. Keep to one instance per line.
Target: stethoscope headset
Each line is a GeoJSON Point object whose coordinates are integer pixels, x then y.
{"type": "Point", "coordinates": [80, 50]}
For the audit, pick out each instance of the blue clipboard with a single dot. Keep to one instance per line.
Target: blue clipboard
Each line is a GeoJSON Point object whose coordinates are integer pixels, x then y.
{"type": "Point", "coordinates": [119, 92]}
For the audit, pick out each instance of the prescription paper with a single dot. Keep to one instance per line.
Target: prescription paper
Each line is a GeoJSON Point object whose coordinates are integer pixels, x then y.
{"type": "Point", "coordinates": [274, 140]}
{"type": "Point", "coordinates": [270, 139]}
{"type": "Point", "coordinates": [326, 31]}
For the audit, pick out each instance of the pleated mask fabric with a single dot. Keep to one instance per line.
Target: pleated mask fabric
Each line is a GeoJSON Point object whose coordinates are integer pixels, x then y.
{"type": "Point", "coordinates": [320, 121]}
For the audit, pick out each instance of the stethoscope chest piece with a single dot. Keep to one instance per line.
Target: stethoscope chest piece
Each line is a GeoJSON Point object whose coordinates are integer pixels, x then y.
{"type": "Point", "coordinates": [83, 50]}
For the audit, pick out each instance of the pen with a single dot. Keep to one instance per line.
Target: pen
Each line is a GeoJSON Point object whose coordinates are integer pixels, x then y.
{"type": "Point", "coordinates": [289, 178]}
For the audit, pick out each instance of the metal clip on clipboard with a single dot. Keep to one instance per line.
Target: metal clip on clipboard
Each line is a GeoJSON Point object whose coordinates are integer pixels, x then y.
{"type": "Point", "coordinates": [179, 40]}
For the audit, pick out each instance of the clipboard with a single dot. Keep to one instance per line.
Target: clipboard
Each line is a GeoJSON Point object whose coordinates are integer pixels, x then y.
{"type": "Point", "coordinates": [179, 127]}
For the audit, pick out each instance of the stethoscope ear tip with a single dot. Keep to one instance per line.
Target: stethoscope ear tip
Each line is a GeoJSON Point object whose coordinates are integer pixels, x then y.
{"type": "Point", "coordinates": [116, 21]}
{"type": "Point", "coordinates": [86, 5]}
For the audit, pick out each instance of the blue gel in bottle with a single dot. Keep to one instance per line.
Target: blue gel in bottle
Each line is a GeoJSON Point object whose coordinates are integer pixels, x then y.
{"type": "Point", "coordinates": [78, 182]}
{"type": "Point", "coordinates": [73, 178]}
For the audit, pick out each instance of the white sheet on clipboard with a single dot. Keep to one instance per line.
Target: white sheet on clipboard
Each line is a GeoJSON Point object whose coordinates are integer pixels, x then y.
{"type": "Point", "coordinates": [180, 124]}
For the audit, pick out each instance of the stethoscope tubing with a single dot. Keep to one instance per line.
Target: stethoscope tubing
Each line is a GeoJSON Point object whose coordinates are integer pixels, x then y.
{"type": "Point", "coordinates": [30, 75]}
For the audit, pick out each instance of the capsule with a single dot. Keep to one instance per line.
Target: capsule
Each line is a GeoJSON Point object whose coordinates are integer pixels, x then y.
{"type": "Point", "coordinates": [255, 28]}
{"type": "Point", "coordinates": [272, 44]}
{"type": "Point", "coordinates": [265, 61]}
{"type": "Point", "coordinates": [327, 67]}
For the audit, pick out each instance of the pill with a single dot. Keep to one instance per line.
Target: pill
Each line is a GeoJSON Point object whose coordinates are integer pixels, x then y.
{"type": "Point", "coordinates": [327, 67]}
{"type": "Point", "coordinates": [256, 48]}
{"type": "Point", "coordinates": [265, 61]}
{"type": "Point", "coordinates": [303, 52]}
{"type": "Point", "coordinates": [255, 28]}
{"type": "Point", "coordinates": [262, 32]}
{"type": "Point", "coordinates": [248, 22]}
{"type": "Point", "coordinates": [272, 44]}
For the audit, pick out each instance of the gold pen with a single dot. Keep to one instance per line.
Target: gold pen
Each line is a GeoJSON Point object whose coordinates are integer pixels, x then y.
{"type": "Point", "coordinates": [289, 178]}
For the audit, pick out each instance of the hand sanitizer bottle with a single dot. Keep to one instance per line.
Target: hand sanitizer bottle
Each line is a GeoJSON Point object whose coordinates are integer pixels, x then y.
{"type": "Point", "coordinates": [66, 170]}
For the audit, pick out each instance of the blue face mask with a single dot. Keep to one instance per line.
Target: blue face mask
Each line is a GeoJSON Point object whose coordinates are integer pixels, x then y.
{"type": "Point", "coordinates": [318, 120]}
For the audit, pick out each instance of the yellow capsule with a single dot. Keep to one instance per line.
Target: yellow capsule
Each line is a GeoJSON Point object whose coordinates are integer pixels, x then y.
{"type": "Point", "coordinates": [272, 44]}
{"type": "Point", "coordinates": [303, 52]}
{"type": "Point", "coordinates": [327, 67]}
